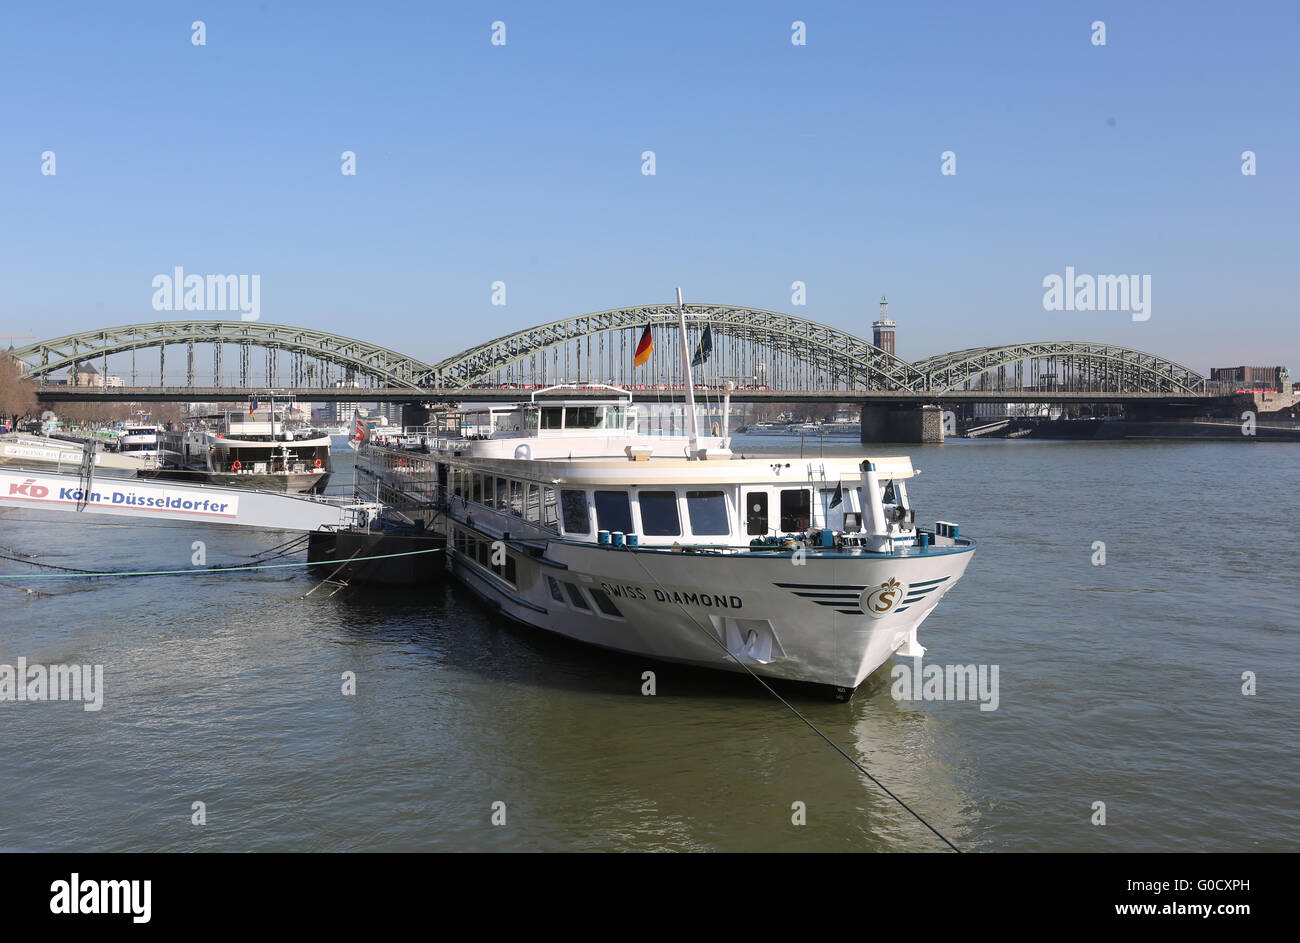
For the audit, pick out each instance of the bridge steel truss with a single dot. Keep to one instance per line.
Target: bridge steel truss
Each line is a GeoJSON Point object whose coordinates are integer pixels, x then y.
{"type": "Point", "coordinates": [750, 344]}
{"type": "Point", "coordinates": [1074, 366]}
{"type": "Point", "coordinates": [312, 353]}
{"type": "Point", "coordinates": [753, 346]}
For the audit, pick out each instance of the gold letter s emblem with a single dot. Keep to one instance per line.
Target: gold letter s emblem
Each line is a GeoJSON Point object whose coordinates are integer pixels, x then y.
{"type": "Point", "coordinates": [877, 602]}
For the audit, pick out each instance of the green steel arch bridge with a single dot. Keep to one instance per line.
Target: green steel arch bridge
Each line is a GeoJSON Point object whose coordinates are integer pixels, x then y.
{"type": "Point", "coordinates": [766, 355]}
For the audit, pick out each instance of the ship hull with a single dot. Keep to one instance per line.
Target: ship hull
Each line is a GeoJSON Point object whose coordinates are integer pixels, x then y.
{"type": "Point", "coordinates": [757, 612]}
{"type": "Point", "coordinates": [292, 483]}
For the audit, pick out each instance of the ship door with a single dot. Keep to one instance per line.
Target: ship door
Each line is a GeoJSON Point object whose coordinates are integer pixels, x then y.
{"type": "Point", "coordinates": [756, 513]}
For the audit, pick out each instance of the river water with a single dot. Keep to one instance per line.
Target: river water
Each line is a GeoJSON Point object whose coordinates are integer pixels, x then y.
{"type": "Point", "coordinates": [1119, 684]}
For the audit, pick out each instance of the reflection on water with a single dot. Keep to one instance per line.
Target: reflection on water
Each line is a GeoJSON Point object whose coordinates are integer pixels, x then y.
{"type": "Point", "coordinates": [1119, 683]}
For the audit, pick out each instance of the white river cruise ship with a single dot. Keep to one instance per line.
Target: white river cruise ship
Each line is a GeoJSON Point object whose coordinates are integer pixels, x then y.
{"type": "Point", "coordinates": [602, 520]}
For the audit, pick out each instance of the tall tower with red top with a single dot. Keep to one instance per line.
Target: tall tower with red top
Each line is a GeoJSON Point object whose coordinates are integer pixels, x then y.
{"type": "Point", "coordinates": [882, 331]}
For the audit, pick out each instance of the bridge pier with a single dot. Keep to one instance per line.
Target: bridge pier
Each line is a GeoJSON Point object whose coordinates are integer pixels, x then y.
{"type": "Point", "coordinates": [912, 424]}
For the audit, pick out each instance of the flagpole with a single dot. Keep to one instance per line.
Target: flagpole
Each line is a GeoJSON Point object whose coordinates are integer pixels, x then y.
{"type": "Point", "coordinates": [690, 384]}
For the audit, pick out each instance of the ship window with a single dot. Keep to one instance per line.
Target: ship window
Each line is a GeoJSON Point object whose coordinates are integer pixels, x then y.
{"type": "Point", "coordinates": [517, 498]}
{"type": "Point", "coordinates": [581, 417]}
{"type": "Point", "coordinates": [575, 595]}
{"type": "Point", "coordinates": [659, 516]}
{"type": "Point", "coordinates": [484, 552]}
{"type": "Point", "coordinates": [550, 513]}
{"type": "Point", "coordinates": [614, 417]}
{"type": "Point", "coordinates": [604, 603]}
{"type": "Point", "coordinates": [756, 513]}
{"type": "Point", "coordinates": [477, 493]}
{"type": "Point", "coordinates": [552, 417]}
{"type": "Point", "coordinates": [555, 589]}
{"type": "Point", "coordinates": [503, 490]}
{"type": "Point", "coordinates": [708, 512]}
{"type": "Point", "coordinates": [533, 505]}
{"type": "Point", "coordinates": [577, 519]}
{"type": "Point", "coordinates": [530, 421]}
{"type": "Point", "coordinates": [796, 506]}
{"type": "Point", "coordinates": [507, 569]}
{"type": "Point", "coordinates": [613, 511]}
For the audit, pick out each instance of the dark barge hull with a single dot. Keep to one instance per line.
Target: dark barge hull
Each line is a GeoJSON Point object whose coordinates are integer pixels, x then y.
{"type": "Point", "coordinates": [325, 547]}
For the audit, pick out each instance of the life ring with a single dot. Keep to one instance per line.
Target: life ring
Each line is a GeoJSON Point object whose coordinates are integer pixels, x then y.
{"type": "Point", "coordinates": [236, 465]}
{"type": "Point", "coordinates": [316, 464]}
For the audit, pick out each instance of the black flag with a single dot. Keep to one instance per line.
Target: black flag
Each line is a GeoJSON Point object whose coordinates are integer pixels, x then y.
{"type": "Point", "coordinates": [706, 347]}
{"type": "Point", "coordinates": [838, 498]}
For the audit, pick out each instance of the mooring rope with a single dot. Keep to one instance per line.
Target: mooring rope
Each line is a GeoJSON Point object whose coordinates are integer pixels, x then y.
{"type": "Point", "coordinates": [813, 727]}
{"type": "Point", "coordinates": [99, 574]}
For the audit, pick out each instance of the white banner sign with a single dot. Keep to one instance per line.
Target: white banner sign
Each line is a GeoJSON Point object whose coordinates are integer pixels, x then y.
{"type": "Point", "coordinates": [67, 456]}
{"type": "Point", "coordinates": [124, 494]}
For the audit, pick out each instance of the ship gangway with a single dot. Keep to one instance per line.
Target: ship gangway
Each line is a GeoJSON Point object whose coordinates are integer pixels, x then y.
{"type": "Point", "coordinates": [171, 500]}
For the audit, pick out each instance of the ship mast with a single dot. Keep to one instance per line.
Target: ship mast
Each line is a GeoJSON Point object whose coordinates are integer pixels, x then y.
{"type": "Point", "coordinates": [690, 383]}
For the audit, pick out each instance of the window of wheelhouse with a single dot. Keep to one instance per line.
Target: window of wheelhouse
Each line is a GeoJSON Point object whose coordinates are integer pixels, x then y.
{"type": "Point", "coordinates": [517, 498]}
{"type": "Point", "coordinates": [756, 513]}
{"type": "Point", "coordinates": [659, 517]}
{"type": "Point", "coordinates": [796, 508]}
{"type": "Point", "coordinates": [533, 504]}
{"type": "Point", "coordinates": [708, 512]}
{"type": "Point", "coordinates": [503, 495]}
{"type": "Point", "coordinates": [553, 417]}
{"type": "Point", "coordinates": [577, 518]}
{"type": "Point", "coordinates": [613, 511]}
{"type": "Point", "coordinates": [581, 417]}
{"type": "Point", "coordinates": [476, 491]}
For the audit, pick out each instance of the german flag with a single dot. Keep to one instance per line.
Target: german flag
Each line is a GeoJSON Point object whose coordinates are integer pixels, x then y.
{"type": "Point", "coordinates": [644, 348]}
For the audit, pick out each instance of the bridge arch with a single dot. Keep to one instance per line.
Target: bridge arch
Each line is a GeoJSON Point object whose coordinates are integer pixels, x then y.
{"type": "Point", "coordinates": [1062, 365]}
{"type": "Point", "coordinates": [819, 348]}
{"type": "Point", "coordinates": [354, 357]}
{"type": "Point", "coordinates": [778, 350]}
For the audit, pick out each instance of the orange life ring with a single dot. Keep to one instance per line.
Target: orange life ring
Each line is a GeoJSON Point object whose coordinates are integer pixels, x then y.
{"type": "Point", "coordinates": [236, 465]}
{"type": "Point", "coordinates": [317, 463]}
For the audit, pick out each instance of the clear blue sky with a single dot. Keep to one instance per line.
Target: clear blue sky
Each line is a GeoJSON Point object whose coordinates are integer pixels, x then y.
{"type": "Point", "coordinates": [522, 163]}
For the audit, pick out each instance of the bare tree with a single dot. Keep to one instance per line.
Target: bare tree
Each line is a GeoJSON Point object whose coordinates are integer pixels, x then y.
{"type": "Point", "coordinates": [17, 394]}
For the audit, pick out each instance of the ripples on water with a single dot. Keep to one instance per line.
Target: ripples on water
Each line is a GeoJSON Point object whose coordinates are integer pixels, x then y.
{"type": "Point", "coordinates": [1119, 683]}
